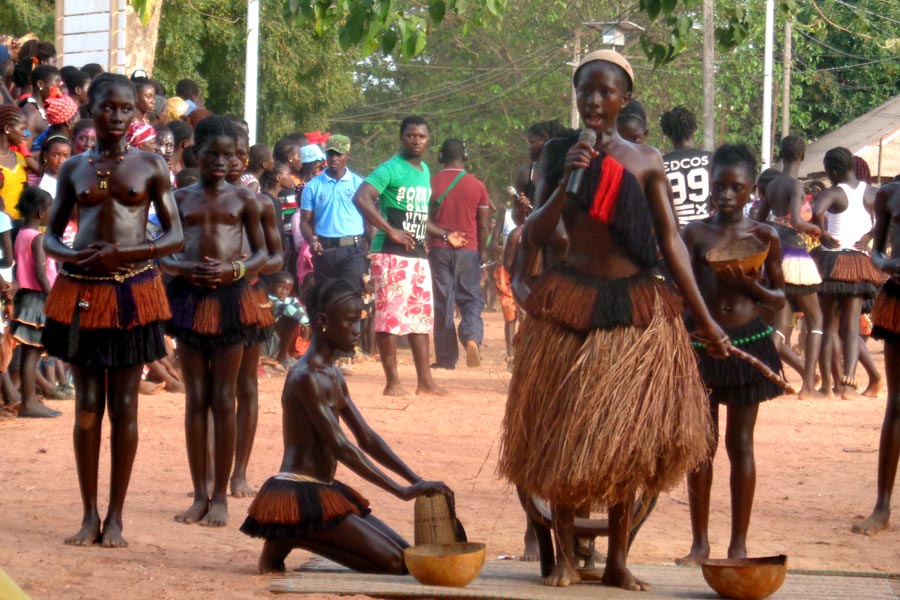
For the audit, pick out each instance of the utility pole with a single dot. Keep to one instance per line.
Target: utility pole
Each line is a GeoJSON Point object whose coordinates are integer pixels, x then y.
{"type": "Point", "coordinates": [766, 146]}
{"type": "Point", "coordinates": [709, 77]}
{"type": "Point", "coordinates": [251, 68]}
{"type": "Point", "coordinates": [786, 67]}
{"type": "Point", "coordinates": [576, 58]}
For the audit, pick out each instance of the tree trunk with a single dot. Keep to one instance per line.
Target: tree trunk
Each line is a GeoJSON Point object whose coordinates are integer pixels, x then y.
{"type": "Point", "coordinates": [141, 40]}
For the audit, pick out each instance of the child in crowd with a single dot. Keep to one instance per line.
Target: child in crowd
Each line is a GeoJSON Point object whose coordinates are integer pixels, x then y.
{"type": "Point", "coordinates": [84, 136]}
{"type": "Point", "coordinates": [55, 151]}
{"type": "Point", "coordinates": [13, 169]}
{"type": "Point", "coordinates": [504, 284]}
{"type": "Point", "coordinates": [734, 299]}
{"type": "Point", "coordinates": [260, 159]}
{"type": "Point", "coordinates": [291, 320]}
{"type": "Point", "coordinates": [35, 273]}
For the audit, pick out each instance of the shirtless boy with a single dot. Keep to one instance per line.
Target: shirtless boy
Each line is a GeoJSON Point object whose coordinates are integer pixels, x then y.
{"type": "Point", "coordinates": [304, 506]}
{"type": "Point", "coordinates": [886, 321]}
{"type": "Point", "coordinates": [215, 311]}
{"type": "Point", "coordinates": [588, 419]}
{"type": "Point", "coordinates": [106, 310]}
{"type": "Point", "coordinates": [782, 204]}
{"type": "Point", "coordinates": [734, 299]}
{"type": "Point", "coordinates": [248, 376]}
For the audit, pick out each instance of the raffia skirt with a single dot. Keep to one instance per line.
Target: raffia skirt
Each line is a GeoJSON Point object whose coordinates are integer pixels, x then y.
{"type": "Point", "coordinates": [597, 414]}
{"type": "Point", "coordinates": [106, 322]}
{"type": "Point", "coordinates": [886, 313]}
{"type": "Point", "coordinates": [290, 505]}
{"type": "Point", "coordinates": [801, 274]}
{"type": "Point", "coordinates": [847, 272]}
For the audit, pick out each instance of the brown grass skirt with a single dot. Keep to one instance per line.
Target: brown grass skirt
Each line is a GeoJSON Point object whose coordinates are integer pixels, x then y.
{"type": "Point", "coordinates": [847, 273]}
{"type": "Point", "coordinates": [106, 323]}
{"type": "Point", "coordinates": [886, 313]}
{"type": "Point", "coordinates": [290, 505]}
{"type": "Point", "coordinates": [601, 415]}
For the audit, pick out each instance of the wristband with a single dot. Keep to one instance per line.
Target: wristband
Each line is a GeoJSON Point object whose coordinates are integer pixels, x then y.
{"type": "Point", "coordinates": [239, 269]}
{"type": "Point", "coordinates": [152, 250]}
{"type": "Point", "coordinates": [447, 237]}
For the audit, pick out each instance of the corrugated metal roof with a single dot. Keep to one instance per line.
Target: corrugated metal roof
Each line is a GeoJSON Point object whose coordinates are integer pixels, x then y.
{"type": "Point", "coordinates": [862, 137]}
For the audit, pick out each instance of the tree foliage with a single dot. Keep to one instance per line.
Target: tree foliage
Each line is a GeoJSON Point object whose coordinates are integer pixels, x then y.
{"type": "Point", "coordinates": [18, 17]}
{"type": "Point", "coordinates": [302, 78]}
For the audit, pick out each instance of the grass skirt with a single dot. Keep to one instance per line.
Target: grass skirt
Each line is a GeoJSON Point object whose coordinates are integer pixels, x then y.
{"type": "Point", "coordinates": [28, 324]}
{"type": "Point", "coordinates": [735, 381]}
{"type": "Point", "coordinates": [601, 415]}
{"type": "Point", "coordinates": [267, 318]}
{"type": "Point", "coordinates": [847, 272]}
{"type": "Point", "coordinates": [209, 319]}
{"type": "Point", "coordinates": [106, 322]}
{"type": "Point", "coordinates": [290, 505]}
{"type": "Point", "coordinates": [886, 313]}
{"type": "Point", "coordinates": [801, 274]}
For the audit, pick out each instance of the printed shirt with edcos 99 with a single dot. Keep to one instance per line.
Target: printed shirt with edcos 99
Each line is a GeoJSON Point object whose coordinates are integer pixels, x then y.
{"type": "Point", "coordinates": [404, 195]}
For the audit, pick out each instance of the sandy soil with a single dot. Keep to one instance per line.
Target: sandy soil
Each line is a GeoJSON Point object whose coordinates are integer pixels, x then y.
{"type": "Point", "coordinates": [816, 465]}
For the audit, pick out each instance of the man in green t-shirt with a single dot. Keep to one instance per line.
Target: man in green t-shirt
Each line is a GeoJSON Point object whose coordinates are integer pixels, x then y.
{"type": "Point", "coordinates": [400, 271]}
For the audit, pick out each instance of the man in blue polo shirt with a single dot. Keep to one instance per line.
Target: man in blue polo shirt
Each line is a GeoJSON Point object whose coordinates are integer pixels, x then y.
{"type": "Point", "coordinates": [330, 222]}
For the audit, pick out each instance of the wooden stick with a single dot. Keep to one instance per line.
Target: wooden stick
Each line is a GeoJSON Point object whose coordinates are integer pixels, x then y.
{"type": "Point", "coordinates": [769, 373]}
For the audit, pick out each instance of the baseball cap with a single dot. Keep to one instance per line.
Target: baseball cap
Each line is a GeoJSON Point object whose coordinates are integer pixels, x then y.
{"type": "Point", "coordinates": [311, 153]}
{"type": "Point", "coordinates": [338, 143]}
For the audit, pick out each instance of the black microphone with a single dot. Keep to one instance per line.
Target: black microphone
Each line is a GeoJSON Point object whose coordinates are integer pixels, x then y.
{"type": "Point", "coordinates": [589, 136]}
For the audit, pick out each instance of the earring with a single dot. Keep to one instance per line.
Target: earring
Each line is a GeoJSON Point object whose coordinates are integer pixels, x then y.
{"type": "Point", "coordinates": [324, 328]}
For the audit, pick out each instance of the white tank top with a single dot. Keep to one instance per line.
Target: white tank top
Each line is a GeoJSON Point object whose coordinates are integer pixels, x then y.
{"type": "Point", "coordinates": [849, 226]}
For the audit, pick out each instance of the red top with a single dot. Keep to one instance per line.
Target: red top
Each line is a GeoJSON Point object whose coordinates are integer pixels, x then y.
{"type": "Point", "coordinates": [459, 207]}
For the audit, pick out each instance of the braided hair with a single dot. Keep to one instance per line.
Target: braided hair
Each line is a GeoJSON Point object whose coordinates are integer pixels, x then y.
{"type": "Point", "coordinates": [838, 160]}
{"type": "Point", "coordinates": [679, 124]}
{"type": "Point", "coordinates": [792, 148]}
{"type": "Point", "coordinates": [735, 155]}
{"type": "Point", "coordinates": [212, 127]}
{"type": "Point", "coordinates": [10, 114]}
{"type": "Point", "coordinates": [103, 82]}
{"type": "Point", "coordinates": [327, 293]}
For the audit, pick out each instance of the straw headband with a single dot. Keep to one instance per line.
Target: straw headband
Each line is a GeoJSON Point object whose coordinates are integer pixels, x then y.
{"type": "Point", "coordinates": [610, 56]}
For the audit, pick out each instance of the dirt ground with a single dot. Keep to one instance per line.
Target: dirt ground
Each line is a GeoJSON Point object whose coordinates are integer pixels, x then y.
{"type": "Point", "coordinates": [816, 475]}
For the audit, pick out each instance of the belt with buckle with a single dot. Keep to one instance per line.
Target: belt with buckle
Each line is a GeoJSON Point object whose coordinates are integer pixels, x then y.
{"type": "Point", "coordinates": [329, 243]}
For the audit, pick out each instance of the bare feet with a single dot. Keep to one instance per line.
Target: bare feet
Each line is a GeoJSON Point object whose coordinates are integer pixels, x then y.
{"type": "Point", "coordinates": [621, 577]}
{"type": "Point", "coordinates": [217, 515]}
{"type": "Point", "coordinates": [737, 551]}
{"type": "Point", "coordinates": [241, 489]}
{"type": "Point", "coordinates": [532, 550]}
{"type": "Point", "coordinates": [148, 388]}
{"type": "Point", "coordinates": [694, 557]}
{"type": "Point", "coordinates": [112, 536]}
{"type": "Point", "coordinates": [850, 394]}
{"type": "Point", "coordinates": [878, 521]}
{"type": "Point", "coordinates": [87, 535]}
{"type": "Point", "coordinates": [826, 392]}
{"type": "Point", "coordinates": [875, 386]}
{"type": "Point", "coordinates": [812, 394]}
{"type": "Point", "coordinates": [430, 390]}
{"type": "Point", "coordinates": [196, 512]}
{"type": "Point", "coordinates": [562, 576]}
{"type": "Point", "coordinates": [394, 390]}
{"type": "Point", "coordinates": [271, 559]}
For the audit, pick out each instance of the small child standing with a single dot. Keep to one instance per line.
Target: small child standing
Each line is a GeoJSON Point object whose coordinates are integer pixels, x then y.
{"type": "Point", "coordinates": [291, 319]}
{"type": "Point", "coordinates": [35, 274]}
{"type": "Point", "coordinates": [503, 281]}
{"type": "Point", "coordinates": [55, 151]}
{"type": "Point", "coordinates": [734, 298]}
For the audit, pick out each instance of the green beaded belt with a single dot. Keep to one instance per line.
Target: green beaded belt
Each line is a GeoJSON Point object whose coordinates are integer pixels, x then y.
{"type": "Point", "coordinates": [742, 341]}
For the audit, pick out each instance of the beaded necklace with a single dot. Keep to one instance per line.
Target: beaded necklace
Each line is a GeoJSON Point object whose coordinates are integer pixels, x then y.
{"type": "Point", "coordinates": [102, 175]}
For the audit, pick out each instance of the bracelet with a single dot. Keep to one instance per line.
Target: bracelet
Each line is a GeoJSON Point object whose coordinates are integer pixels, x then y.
{"type": "Point", "coordinates": [152, 250]}
{"type": "Point", "coordinates": [446, 236]}
{"type": "Point", "coordinates": [239, 269]}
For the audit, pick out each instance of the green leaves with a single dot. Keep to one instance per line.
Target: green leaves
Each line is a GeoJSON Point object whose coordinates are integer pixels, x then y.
{"type": "Point", "coordinates": [144, 8]}
{"type": "Point", "coordinates": [400, 26]}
